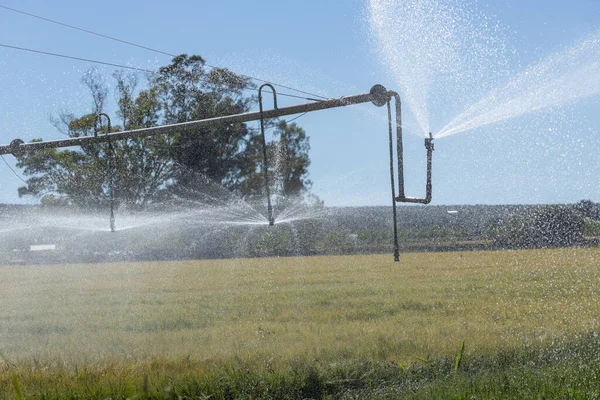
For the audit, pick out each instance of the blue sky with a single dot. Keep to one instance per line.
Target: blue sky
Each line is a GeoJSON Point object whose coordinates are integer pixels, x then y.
{"type": "Point", "coordinates": [325, 47]}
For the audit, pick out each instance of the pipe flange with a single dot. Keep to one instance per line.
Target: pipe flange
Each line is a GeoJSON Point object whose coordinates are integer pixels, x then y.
{"type": "Point", "coordinates": [15, 147]}
{"type": "Point", "coordinates": [380, 95]}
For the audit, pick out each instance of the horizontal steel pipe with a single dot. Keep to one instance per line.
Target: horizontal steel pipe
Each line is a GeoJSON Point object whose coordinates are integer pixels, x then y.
{"type": "Point", "coordinates": [375, 96]}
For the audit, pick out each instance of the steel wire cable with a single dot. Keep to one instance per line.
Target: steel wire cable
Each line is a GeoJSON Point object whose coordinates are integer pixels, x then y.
{"type": "Point", "coordinates": [13, 171]}
{"type": "Point", "coordinates": [48, 53]}
{"type": "Point", "coordinates": [158, 51]}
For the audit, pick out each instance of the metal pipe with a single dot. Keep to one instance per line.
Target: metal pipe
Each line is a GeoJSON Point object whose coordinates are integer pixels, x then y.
{"type": "Point", "coordinates": [111, 178]}
{"type": "Point", "coordinates": [378, 96]}
{"type": "Point", "coordinates": [264, 148]}
{"type": "Point", "coordinates": [402, 198]}
{"type": "Point", "coordinates": [392, 179]}
{"type": "Point", "coordinates": [430, 148]}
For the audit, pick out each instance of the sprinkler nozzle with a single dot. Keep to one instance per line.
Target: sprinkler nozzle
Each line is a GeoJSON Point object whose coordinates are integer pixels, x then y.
{"type": "Point", "coordinates": [271, 221]}
{"type": "Point", "coordinates": [429, 142]}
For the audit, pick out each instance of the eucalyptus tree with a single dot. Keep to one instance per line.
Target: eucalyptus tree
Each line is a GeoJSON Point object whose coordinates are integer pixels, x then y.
{"type": "Point", "coordinates": [145, 170]}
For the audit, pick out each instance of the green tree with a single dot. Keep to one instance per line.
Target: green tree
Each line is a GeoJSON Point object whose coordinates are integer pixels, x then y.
{"type": "Point", "coordinates": [188, 91]}
{"type": "Point", "coordinates": [143, 166]}
{"type": "Point", "coordinates": [148, 169]}
{"type": "Point", "coordinates": [71, 177]}
{"type": "Point", "coordinates": [291, 160]}
{"type": "Point", "coordinates": [288, 163]}
{"type": "Point", "coordinates": [589, 209]}
{"type": "Point", "coordinates": [81, 177]}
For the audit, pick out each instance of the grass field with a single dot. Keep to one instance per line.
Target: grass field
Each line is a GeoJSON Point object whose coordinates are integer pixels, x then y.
{"type": "Point", "coordinates": [353, 327]}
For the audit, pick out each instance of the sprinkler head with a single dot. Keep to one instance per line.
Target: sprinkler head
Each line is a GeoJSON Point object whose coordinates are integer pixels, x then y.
{"type": "Point", "coordinates": [272, 221]}
{"type": "Point", "coordinates": [429, 142]}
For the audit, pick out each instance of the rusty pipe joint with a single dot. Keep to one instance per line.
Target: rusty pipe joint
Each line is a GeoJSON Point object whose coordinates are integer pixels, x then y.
{"type": "Point", "coordinates": [15, 149]}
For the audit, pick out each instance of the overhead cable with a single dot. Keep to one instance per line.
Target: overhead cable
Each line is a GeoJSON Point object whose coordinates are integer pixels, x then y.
{"type": "Point", "coordinates": [119, 66]}
{"type": "Point", "coordinates": [85, 30]}
{"type": "Point", "coordinates": [155, 50]}
{"type": "Point", "coordinates": [75, 58]}
{"type": "Point", "coordinates": [13, 171]}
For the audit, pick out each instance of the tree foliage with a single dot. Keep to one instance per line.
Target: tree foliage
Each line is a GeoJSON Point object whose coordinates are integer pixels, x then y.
{"type": "Point", "coordinates": [145, 170]}
{"type": "Point", "coordinates": [187, 92]}
{"type": "Point", "coordinates": [81, 177]}
{"type": "Point", "coordinates": [589, 209]}
{"type": "Point", "coordinates": [288, 163]}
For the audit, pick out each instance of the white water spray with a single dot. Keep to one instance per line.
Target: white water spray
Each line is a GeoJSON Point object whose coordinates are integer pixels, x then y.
{"type": "Point", "coordinates": [437, 51]}
{"type": "Point", "coordinates": [559, 79]}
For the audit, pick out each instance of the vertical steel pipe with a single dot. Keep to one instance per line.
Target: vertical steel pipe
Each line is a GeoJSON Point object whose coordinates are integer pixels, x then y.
{"type": "Point", "coordinates": [264, 148]}
{"type": "Point", "coordinates": [110, 168]}
{"type": "Point", "coordinates": [392, 179]}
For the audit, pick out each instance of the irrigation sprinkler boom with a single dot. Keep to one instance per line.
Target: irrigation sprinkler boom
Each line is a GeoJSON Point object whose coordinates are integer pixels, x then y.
{"type": "Point", "coordinates": [378, 96]}
{"type": "Point", "coordinates": [18, 145]}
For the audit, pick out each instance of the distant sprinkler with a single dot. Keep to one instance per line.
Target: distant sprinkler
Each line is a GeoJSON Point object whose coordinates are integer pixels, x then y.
{"type": "Point", "coordinates": [264, 148]}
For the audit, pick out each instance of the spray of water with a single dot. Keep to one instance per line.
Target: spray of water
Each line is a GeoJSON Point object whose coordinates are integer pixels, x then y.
{"type": "Point", "coordinates": [297, 211]}
{"type": "Point", "coordinates": [561, 78]}
{"type": "Point", "coordinates": [437, 50]}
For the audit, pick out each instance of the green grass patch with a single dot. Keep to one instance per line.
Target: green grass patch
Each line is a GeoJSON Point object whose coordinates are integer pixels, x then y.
{"type": "Point", "coordinates": [566, 371]}
{"type": "Point", "coordinates": [343, 327]}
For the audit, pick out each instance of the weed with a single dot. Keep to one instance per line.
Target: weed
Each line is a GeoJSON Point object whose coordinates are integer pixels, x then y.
{"type": "Point", "coordinates": [459, 357]}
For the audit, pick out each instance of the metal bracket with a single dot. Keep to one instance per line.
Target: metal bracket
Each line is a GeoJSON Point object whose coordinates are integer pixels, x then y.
{"type": "Point", "coordinates": [402, 198]}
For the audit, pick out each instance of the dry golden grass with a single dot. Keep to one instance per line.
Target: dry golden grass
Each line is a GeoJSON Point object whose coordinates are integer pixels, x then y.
{"type": "Point", "coordinates": [270, 312]}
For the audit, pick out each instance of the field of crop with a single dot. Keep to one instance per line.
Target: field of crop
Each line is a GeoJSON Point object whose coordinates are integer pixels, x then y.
{"type": "Point", "coordinates": [312, 327]}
